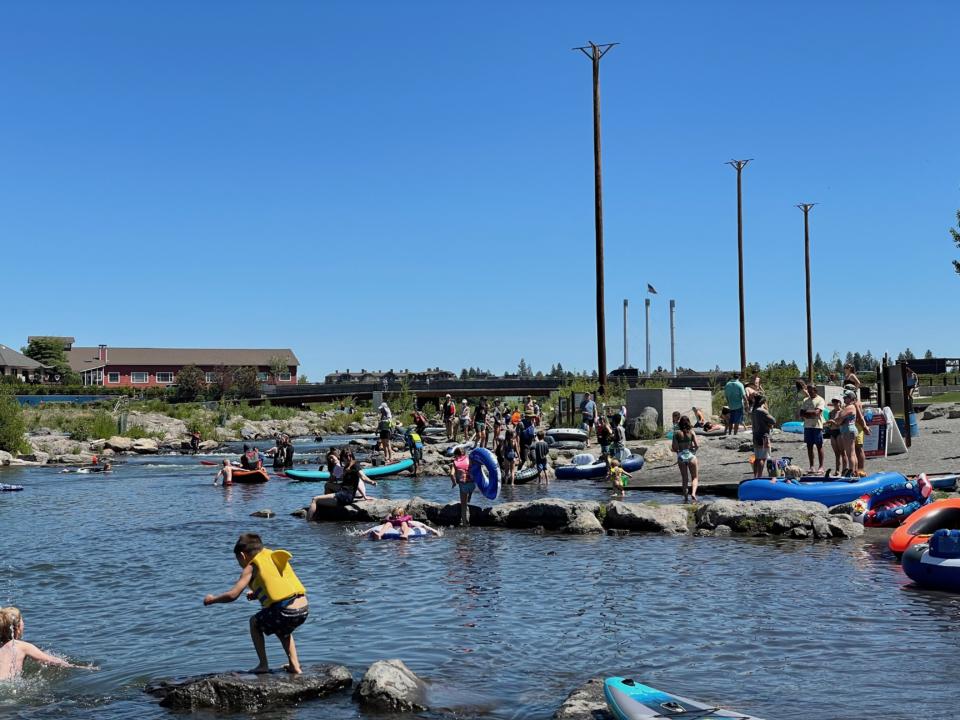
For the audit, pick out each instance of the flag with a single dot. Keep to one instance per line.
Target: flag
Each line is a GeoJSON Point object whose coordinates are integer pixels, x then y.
{"type": "Point", "coordinates": [651, 289]}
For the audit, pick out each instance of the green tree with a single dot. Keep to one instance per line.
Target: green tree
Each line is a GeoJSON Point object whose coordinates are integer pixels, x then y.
{"type": "Point", "coordinates": [906, 356]}
{"type": "Point", "coordinates": [12, 426]}
{"type": "Point", "coordinates": [302, 379]}
{"type": "Point", "coordinates": [222, 383]}
{"type": "Point", "coordinates": [278, 365]}
{"type": "Point", "coordinates": [245, 382]}
{"type": "Point", "coordinates": [191, 383]}
{"type": "Point", "coordinates": [956, 241]}
{"type": "Point", "coordinates": [523, 370]}
{"type": "Point", "coordinates": [928, 355]}
{"type": "Point", "coordinates": [50, 352]}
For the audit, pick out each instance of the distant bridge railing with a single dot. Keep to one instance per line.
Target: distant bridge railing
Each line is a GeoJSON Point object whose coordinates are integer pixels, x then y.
{"type": "Point", "coordinates": [472, 387]}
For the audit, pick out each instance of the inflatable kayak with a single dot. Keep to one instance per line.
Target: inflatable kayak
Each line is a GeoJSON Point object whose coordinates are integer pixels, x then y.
{"type": "Point", "coordinates": [630, 700]}
{"type": "Point", "coordinates": [596, 470]}
{"type": "Point", "coordinates": [560, 434]}
{"type": "Point", "coordinates": [378, 471]}
{"type": "Point", "coordinates": [825, 492]}
{"type": "Point", "coordinates": [485, 472]}
{"type": "Point", "coordinates": [394, 533]}
{"type": "Point", "coordinates": [250, 477]}
{"type": "Point", "coordinates": [935, 565]}
{"type": "Point", "coordinates": [892, 504]}
{"type": "Point", "coordinates": [938, 515]}
{"type": "Point", "coordinates": [10, 488]}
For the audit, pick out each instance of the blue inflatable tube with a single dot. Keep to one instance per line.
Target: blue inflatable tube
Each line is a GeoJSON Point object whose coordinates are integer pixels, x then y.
{"type": "Point", "coordinates": [596, 470]}
{"type": "Point", "coordinates": [828, 492]}
{"type": "Point", "coordinates": [395, 534]}
{"type": "Point", "coordinates": [485, 472]}
{"type": "Point", "coordinates": [794, 426]}
{"type": "Point", "coordinates": [937, 565]}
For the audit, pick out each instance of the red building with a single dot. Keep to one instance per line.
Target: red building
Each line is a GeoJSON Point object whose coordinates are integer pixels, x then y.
{"type": "Point", "coordinates": [158, 367]}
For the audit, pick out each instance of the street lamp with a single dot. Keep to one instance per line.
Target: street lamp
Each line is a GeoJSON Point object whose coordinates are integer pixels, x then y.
{"type": "Point", "coordinates": [739, 165]}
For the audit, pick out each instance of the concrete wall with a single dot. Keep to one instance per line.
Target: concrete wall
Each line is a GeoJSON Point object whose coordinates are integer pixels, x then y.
{"type": "Point", "coordinates": [666, 400]}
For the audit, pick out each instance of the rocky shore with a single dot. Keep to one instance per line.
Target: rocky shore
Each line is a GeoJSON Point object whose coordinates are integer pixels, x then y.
{"type": "Point", "coordinates": [796, 519]}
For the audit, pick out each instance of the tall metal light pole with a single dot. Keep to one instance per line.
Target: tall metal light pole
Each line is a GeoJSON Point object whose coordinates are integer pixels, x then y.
{"type": "Point", "coordinates": [673, 355]}
{"type": "Point", "coordinates": [739, 165]}
{"type": "Point", "coordinates": [805, 207]}
{"type": "Point", "coordinates": [625, 358]}
{"type": "Point", "coordinates": [595, 53]}
{"type": "Point", "coordinates": [647, 304]}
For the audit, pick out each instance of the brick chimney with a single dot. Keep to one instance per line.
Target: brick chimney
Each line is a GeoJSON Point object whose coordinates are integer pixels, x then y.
{"type": "Point", "coordinates": [102, 355]}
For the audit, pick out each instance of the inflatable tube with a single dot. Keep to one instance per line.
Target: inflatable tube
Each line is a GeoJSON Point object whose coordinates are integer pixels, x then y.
{"type": "Point", "coordinates": [485, 472]}
{"type": "Point", "coordinates": [574, 434]}
{"type": "Point", "coordinates": [567, 445]}
{"type": "Point", "coordinates": [596, 470]}
{"type": "Point", "coordinates": [524, 476]}
{"type": "Point", "coordinates": [938, 515]}
{"type": "Point", "coordinates": [250, 477]}
{"type": "Point", "coordinates": [935, 565]}
{"type": "Point", "coordinates": [395, 534]}
{"type": "Point", "coordinates": [630, 700]}
{"type": "Point", "coordinates": [10, 488]}
{"type": "Point", "coordinates": [373, 472]}
{"type": "Point", "coordinates": [890, 505]}
{"type": "Point", "coordinates": [826, 492]}
{"type": "Point", "coordinates": [794, 426]}
{"type": "Point", "coordinates": [583, 459]}
{"type": "Point", "coordinates": [943, 481]}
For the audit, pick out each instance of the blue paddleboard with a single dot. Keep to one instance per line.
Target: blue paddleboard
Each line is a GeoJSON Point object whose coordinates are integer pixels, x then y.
{"type": "Point", "coordinates": [631, 700]}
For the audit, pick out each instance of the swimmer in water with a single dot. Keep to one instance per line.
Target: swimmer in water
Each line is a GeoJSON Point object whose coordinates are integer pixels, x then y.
{"type": "Point", "coordinates": [14, 649]}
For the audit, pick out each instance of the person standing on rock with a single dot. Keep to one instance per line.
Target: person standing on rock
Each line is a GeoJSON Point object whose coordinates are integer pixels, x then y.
{"type": "Point", "coordinates": [541, 452]}
{"type": "Point", "coordinates": [850, 378]}
{"type": "Point", "coordinates": [414, 444]}
{"type": "Point", "coordinates": [480, 424]}
{"type": "Point", "coordinates": [449, 412]}
{"type": "Point", "coordinates": [811, 412]}
{"type": "Point", "coordinates": [420, 422]}
{"type": "Point", "coordinates": [618, 440]}
{"type": "Point", "coordinates": [511, 450]}
{"type": "Point", "coordinates": [735, 395]}
{"type": "Point", "coordinates": [762, 422]}
{"type": "Point", "coordinates": [832, 431]}
{"type": "Point", "coordinates": [465, 420]}
{"type": "Point", "coordinates": [588, 414]}
{"type": "Point", "coordinates": [385, 429]}
{"type": "Point", "coordinates": [685, 446]}
{"type": "Point", "coordinates": [460, 478]}
{"type": "Point", "coordinates": [753, 388]}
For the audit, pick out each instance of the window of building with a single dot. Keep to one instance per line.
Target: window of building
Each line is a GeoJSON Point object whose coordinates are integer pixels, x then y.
{"type": "Point", "coordinates": [164, 377]}
{"type": "Point", "coordinates": [263, 377]}
{"type": "Point", "coordinates": [139, 377]}
{"type": "Point", "coordinates": [113, 378]}
{"type": "Point", "coordinates": [211, 377]}
{"type": "Point", "coordinates": [283, 377]}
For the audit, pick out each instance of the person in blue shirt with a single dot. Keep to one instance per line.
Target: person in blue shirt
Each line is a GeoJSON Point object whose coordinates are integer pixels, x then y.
{"type": "Point", "coordinates": [735, 395]}
{"type": "Point", "coordinates": [588, 413]}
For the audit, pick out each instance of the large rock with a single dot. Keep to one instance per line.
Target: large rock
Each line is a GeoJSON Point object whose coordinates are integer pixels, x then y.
{"type": "Point", "coordinates": [649, 422]}
{"type": "Point", "coordinates": [933, 412]}
{"type": "Point", "coordinates": [168, 428]}
{"type": "Point", "coordinates": [373, 510]}
{"type": "Point", "coordinates": [120, 443]}
{"type": "Point", "coordinates": [776, 517]}
{"type": "Point", "coordinates": [585, 703]}
{"type": "Point", "coordinates": [953, 415]}
{"type": "Point", "coordinates": [5, 457]}
{"type": "Point", "coordinates": [37, 456]}
{"type": "Point", "coordinates": [243, 692]}
{"type": "Point", "coordinates": [208, 446]}
{"type": "Point", "coordinates": [667, 519]}
{"type": "Point", "coordinates": [549, 513]}
{"type": "Point", "coordinates": [145, 446]}
{"type": "Point", "coordinates": [659, 451]}
{"type": "Point", "coordinates": [390, 686]}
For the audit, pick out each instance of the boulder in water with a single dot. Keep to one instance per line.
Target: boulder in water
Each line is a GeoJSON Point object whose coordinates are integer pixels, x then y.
{"type": "Point", "coordinates": [585, 703]}
{"type": "Point", "coordinates": [391, 686]}
{"type": "Point", "coordinates": [244, 692]}
{"type": "Point", "coordinates": [667, 519]}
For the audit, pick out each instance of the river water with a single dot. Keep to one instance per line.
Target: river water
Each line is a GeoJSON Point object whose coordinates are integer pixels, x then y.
{"type": "Point", "coordinates": [112, 570]}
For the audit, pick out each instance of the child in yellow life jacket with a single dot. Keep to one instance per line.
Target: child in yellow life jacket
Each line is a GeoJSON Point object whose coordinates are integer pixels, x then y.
{"type": "Point", "coordinates": [617, 477]}
{"type": "Point", "coordinates": [272, 581]}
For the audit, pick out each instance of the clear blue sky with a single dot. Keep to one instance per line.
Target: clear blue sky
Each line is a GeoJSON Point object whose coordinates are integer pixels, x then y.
{"type": "Point", "coordinates": [409, 184]}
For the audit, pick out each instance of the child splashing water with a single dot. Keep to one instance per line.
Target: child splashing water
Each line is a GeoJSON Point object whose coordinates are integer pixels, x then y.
{"type": "Point", "coordinates": [14, 650]}
{"type": "Point", "coordinates": [401, 521]}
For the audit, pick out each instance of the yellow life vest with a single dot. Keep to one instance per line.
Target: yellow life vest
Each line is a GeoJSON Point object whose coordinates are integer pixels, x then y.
{"type": "Point", "coordinates": [274, 579]}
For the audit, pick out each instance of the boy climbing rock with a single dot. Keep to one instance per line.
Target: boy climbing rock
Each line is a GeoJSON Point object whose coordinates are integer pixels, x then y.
{"type": "Point", "coordinates": [273, 582]}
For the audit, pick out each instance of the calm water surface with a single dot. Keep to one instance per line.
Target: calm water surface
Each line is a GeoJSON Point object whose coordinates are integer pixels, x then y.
{"type": "Point", "coordinates": [112, 570]}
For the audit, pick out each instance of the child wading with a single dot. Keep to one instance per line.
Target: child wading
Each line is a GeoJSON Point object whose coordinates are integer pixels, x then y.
{"type": "Point", "coordinates": [14, 650]}
{"type": "Point", "coordinates": [272, 581]}
{"type": "Point", "coordinates": [617, 477]}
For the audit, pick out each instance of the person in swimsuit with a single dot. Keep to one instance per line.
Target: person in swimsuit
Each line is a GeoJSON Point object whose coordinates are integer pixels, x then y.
{"type": "Point", "coordinates": [14, 649]}
{"type": "Point", "coordinates": [460, 478]}
{"type": "Point", "coordinates": [401, 521]}
{"type": "Point", "coordinates": [511, 451]}
{"type": "Point", "coordinates": [700, 417]}
{"type": "Point", "coordinates": [685, 446]}
{"type": "Point", "coordinates": [225, 474]}
{"type": "Point", "coordinates": [846, 426]}
{"type": "Point", "coordinates": [351, 485]}
{"type": "Point", "coordinates": [617, 476]}
{"type": "Point", "coordinates": [832, 431]}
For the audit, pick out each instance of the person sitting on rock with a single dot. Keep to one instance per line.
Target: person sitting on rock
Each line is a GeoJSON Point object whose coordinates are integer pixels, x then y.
{"type": "Point", "coordinates": [400, 520]}
{"type": "Point", "coordinates": [350, 491]}
{"type": "Point", "coordinates": [271, 580]}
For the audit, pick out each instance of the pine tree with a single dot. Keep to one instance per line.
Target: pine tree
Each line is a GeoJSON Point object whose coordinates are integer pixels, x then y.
{"type": "Point", "coordinates": [956, 241]}
{"type": "Point", "coordinates": [928, 355]}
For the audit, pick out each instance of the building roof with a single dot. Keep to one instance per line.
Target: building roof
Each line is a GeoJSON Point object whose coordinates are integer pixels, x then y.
{"type": "Point", "coordinates": [88, 358]}
{"type": "Point", "coordinates": [11, 358]}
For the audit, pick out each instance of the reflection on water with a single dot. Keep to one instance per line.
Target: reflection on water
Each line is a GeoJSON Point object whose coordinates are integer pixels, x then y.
{"type": "Point", "coordinates": [503, 624]}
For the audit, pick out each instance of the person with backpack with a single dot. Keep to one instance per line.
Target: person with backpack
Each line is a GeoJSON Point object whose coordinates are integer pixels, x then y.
{"type": "Point", "coordinates": [415, 445]}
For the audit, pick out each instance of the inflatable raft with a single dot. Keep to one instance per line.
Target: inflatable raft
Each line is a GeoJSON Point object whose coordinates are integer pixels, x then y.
{"type": "Point", "coordinates": [826, 492]}
{"type": "Point", "coordinates": [935, 565]}
{"type": "Point", "coordinates": [250, 477]}
{"type": "Point", "coordinates": [378, 471]}
{"type": "Point", "coordinates": [597, 469]}
{"type": "Point", "coordinates": [561, 434]}
{"type": "Point", "coordinates": [395, 534]}
{"type": "Point", "coordinates": [10, 488]}
{"type": "Point", "coordinates": [938, 515]}
{"type": "Point", "coordinates": [630, 700]}
{"type": "Point", "coordinates": [890, 505]}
